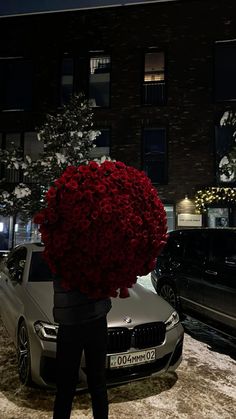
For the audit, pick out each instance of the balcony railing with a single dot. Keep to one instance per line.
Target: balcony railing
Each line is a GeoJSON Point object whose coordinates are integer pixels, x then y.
{"type": "Point", "coordinates": [154, 93]}
{"type": "Point", "coordinates": [15, 176]}
{"type": "Point", "coordinates": [11, 175]}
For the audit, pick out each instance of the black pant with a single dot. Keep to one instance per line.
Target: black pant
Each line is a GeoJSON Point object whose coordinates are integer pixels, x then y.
{"type": "Point", "coordinates": [72, 340]}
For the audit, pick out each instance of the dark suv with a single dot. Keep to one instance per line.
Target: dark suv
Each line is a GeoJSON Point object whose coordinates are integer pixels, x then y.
{"type": "Point", "coordinates": [196, 274]}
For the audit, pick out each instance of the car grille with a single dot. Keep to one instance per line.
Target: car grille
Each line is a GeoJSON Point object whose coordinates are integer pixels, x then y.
{"type": "Point", "coordinates": [121, 339]}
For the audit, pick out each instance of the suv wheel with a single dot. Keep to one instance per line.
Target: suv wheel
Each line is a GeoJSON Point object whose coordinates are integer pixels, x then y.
{"type": "Point", "coordinates": [167, 291]}
{"type": "Point", "coordinates": [23, 355]}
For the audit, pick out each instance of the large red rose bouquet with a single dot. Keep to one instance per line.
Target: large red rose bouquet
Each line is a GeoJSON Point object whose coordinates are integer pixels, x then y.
{"type": "Point", "coordinates": [103, 226]}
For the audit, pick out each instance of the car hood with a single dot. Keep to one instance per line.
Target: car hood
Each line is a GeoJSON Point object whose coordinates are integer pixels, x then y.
{"type": "Point", "coordinates": [143, 305]}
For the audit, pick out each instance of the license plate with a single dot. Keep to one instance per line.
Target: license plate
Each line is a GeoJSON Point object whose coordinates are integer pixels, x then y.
{"type": "Point", "coordinates": [132, 358]}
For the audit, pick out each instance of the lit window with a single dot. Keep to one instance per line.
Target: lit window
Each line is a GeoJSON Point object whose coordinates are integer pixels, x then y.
{"type": "Point", "coordinates": [154, 79]}
{"type": "Point", "coordinates": [154, 67]}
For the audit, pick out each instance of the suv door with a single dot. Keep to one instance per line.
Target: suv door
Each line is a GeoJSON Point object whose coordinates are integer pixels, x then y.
{"type": "Point", "coordinates": [220, 280]}
{"type": "Point", "coordinates": [191, 273]}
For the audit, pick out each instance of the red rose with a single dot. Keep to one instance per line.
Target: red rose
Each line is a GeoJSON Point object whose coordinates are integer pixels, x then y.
{"type": "Point", "coordinates": [101, 188]}
{"type": "Point", "coordinates": [72, 185]}
{"type": "Point", "coordinates": [39, 218]}
{"type": "Point", "coordinates": [51, 193]}
{"type": "Point", "coordinates": [106, 217]}
{"type": "Point", "coordinates": [94, 215]}
{"type": "Point", "coordinates": [102, 245]}
{"type": "Point", "coordinates": [83, 169]}
{"type": "Point", "coordinates": [93, 165]}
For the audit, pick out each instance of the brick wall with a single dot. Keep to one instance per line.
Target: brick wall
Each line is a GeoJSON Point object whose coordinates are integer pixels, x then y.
{"type": "Point", "coordinates": [186, 30]}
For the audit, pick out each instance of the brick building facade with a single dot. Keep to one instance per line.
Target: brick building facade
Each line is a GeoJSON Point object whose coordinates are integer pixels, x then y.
{"type": "Point", "coordinates": [162, 92]}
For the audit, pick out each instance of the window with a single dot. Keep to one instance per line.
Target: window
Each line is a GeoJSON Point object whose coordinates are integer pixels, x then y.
{"type": "Point", "coordinates": [218, 217]}
{"type": "Point", "coordinates": [102, 144]}
{"type": "Point", "coordinates": [154, 79]}
{"type": "Point", "coordinates": [196, 248]}
{"type": "Point", "coordinates": [4, 233]}
{"type": "Point", "coordinates": [12, 142]}
{"type": "Point", "coordinates": [15, 84]}
{"type": "Point", "coordinates": [24, 144]}
{"type": "Point", "coordinates": [25, 231]}
{"type": "Point", "coordinates": [225, 70]}
{"type": "Point", "coordinates": [224, 246]}
{"type": "Point", "coordinates": [33, 148]}
{"type": "Point", "coordinates": [155, 154]}
{"type": "Point", "coordinates": [223, 261]}
{"type": "Point", "coordinates": [174, 247]}
{"type": "Point", "coordinates": [225, 142]}
{"type": "Point", "coordinates": [99, 80]}
{"type": "Point", "coordinates": [170, 215]}
{"type": "Point", "coordinates": [39, 270]}
{"type": "Point", "coordinates": [95, 81]}
{"type": "Point", "coordinates": [16, 262]}
{"type": "Point", "coordinates": [67, 79]}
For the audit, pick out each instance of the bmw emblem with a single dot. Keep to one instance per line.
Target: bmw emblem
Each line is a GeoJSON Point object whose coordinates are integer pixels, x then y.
{"type": "Point", "coordinates": [127, 320]}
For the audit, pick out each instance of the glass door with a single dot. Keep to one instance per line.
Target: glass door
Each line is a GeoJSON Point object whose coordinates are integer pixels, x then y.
{"type": "Point", "coordinates": [218, 217]}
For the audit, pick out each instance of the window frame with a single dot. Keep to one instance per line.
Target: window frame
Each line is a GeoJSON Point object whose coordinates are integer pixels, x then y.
{"type": "Point", "coordinates": [99, 154]}
{"type": "Point", "coordinates": [165, 175]}
{"type": "Point", "coordinates": [195, 241]}
{"type": "Point", "coordinates": [81, 74]}
{"type": "Point", "coordinates": [216, 81]}
{"type": "Point", "coordinates": [221, 133]}
{"type": "Point", "coordinates": [12, 175]}
{"type": "Point", "coordinates": [4, 97]}
{"type": "Point", "coordinates": [97, 54]}
{"type": "Point", "coordinates": [15, 175]}
{"type": "Point", "coordinates": [144, 83]}
{"type": "Point", "coordinates": [62, 74]}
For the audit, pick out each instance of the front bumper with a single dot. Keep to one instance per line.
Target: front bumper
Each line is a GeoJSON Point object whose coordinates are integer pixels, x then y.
{"type": "Point", "coordinates": [168, 358]}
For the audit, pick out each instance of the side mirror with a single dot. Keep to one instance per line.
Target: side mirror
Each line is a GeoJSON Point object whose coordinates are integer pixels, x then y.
{"type": "Point", "coordinates": [22, 264]}
{"type": "Point", "coordinates": [16, 274]}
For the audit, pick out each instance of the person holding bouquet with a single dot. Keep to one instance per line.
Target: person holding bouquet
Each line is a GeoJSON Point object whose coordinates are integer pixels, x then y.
{"type": "Point", "coordinates": [103, 226]}
{"type": "Point", "coordinates": [82, 327]}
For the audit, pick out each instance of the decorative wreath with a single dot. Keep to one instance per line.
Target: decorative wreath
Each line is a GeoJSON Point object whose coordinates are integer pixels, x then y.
{"type": "Point", "coordinates": [103, 226]}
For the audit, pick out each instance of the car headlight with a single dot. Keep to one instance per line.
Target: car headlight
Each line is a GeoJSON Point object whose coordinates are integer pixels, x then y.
{"type": "Point", "coordinates": [46, 331]}
{"type": "Point", "coordinates": [172, 320]}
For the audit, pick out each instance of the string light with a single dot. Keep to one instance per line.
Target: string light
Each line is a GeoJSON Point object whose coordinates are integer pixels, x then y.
{"type": "Point", "coordinates": [213, 195]}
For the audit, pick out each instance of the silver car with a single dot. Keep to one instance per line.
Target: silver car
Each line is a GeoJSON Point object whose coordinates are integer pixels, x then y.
{"type": "Point", "coordinates": [145, 335]}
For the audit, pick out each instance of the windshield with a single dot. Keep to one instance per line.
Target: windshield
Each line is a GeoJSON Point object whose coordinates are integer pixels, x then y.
{"type": "Point", "coordinates": [39, 270]}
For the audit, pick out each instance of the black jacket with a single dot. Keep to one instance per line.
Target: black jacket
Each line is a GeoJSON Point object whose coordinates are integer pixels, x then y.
{"type": "Point", "coordinates": [73, 307]}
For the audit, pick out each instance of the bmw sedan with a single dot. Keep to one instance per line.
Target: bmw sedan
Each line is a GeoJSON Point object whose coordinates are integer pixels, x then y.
{"type": "Point", "coordinates": [145, 335]}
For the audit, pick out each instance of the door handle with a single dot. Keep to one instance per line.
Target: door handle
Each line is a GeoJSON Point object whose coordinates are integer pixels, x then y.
{"type": "Point", "coordinates": [209, 272]}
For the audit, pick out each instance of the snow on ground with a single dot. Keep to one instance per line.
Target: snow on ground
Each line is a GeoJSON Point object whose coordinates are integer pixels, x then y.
{"type": "Point", "coordinates": [203, 387]}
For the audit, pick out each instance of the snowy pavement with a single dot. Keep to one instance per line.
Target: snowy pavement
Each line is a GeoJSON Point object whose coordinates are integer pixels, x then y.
{"type": "Point", "coordinates": [203, 387]}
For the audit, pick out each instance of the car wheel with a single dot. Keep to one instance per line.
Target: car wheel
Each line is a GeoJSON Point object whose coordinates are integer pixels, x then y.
{"type": "Point", "coordinates": [168, 292]}
{"type": "Point", "coordinates": [23, 355]}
